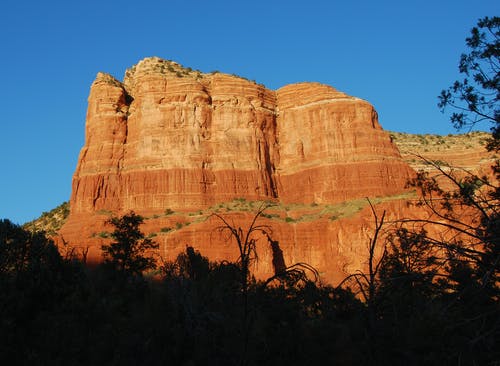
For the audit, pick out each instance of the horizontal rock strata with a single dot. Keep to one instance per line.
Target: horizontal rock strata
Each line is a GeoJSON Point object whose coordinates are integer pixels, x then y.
{"type": "Point", "coordinates": [171, 137]}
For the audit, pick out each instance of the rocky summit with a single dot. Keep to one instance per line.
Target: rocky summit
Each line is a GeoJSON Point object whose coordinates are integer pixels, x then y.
{"type": "Point", "coordinates": [176, 145]}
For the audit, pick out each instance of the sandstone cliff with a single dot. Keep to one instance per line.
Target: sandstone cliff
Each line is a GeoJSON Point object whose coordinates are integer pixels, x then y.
{"type": "Point", "coordinates": [170, 137]}
{"type": "Point", "coordinates": [462, 154]}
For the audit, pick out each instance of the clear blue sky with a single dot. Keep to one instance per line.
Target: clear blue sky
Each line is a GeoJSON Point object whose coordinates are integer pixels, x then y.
{"type": "Point", "coordinates": [398, 55]}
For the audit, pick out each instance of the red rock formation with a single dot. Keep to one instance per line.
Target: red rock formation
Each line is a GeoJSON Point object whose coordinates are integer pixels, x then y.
{"type": "Point", "coordinates": [333, 148]}
{"type": "Point", "coordinates": [168, 137]}
{"type": "Point", "coordinates": [459, 154]}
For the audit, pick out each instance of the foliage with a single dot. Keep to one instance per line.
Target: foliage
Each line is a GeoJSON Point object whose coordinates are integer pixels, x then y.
{"type": "Point", "coordinates": [198, 311]}
{"type": "Point", "coordinates": [439, 274]}
{"type": "Point", "coordinates": [130, 252]}
{"type": "Point", "coordinates": [468, 215]}
{"type": "Point", "coordinates": [435, 276]}
{"type": "Point", "coordinates": [23, 251]}
{"type": "Point", "coordinates": [476, 97]}
{"type": "Point", "coordinates": [50, 222]}
{"type": "Point", "coordinates": [34, 279]}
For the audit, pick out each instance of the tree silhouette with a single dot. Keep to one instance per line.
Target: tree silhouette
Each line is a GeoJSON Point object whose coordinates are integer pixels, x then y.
{"type": "Point", "coordinates": [246, 241]}
{"type": "Point", "coordinates": [130, 252]}
{"type": "Point", "coordinates": [22, 251]}
{"type": "Point", "coordinates": [476, 97]}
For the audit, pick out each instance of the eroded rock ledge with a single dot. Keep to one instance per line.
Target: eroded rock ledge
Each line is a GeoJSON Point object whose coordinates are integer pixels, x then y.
{"type": "Point", "coordinates": [171, 137]}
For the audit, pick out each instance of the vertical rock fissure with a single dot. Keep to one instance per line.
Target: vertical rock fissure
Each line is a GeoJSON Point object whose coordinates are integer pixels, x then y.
{"type": "Point", "coordinates": [120, 161]}
{"type": "Point", "coordinates": [270, 170]}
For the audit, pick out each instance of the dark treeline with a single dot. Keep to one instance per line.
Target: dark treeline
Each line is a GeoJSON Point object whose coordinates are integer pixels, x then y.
{"type": "Point", "coordinates": [55, 311]}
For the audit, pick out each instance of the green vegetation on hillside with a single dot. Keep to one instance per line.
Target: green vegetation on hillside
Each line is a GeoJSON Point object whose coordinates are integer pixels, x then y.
{"type": "Point", "coordinates": [432, 142]}
{"type": "Point", "coordinates": [276, 212]}
{"type": "Point", "coordinates": [50, 222]}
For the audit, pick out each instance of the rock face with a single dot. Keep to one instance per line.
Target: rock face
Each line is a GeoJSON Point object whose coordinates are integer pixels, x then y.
{"type": "Point", "coordinates": [170, 137]}
{"type": "Point", "coordinates": [462, 154]}
{"type": "Point", "coordinates": [332, 147]}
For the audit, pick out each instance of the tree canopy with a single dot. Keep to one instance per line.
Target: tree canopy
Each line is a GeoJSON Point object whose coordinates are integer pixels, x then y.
{"type": "Point", "coordinates": [130, 252]}
{"type": "Point", "coordinates": [475, 98]}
